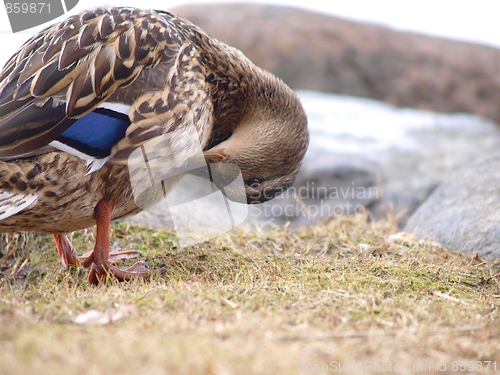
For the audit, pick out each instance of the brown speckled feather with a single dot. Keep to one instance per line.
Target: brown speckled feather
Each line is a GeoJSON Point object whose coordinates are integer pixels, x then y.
{"type": "Point", "coordinates": [65, 194]}
{"type": "Point", "coordinates": [67, 70]}
{"type": "Point", "coordinates": [87, 57]}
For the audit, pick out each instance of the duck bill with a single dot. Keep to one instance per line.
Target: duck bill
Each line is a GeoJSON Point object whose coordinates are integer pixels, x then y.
{"type": "Point", "coordinates": [226, 177]}
{"type": "Point", "coordinates": [205, 171]}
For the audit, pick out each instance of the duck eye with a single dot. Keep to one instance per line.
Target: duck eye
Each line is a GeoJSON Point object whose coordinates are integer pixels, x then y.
{"type": "Point", "coordinates": [254, 181]}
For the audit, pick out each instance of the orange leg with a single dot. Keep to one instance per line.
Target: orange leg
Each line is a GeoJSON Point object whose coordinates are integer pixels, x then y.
{"type": "Point", "coordinates": [66, 251]}
{"type": "Point", "coordinates": [99, 259]}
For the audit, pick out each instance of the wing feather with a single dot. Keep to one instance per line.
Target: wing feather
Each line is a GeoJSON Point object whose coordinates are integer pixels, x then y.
{"type": "Point", "coordinates": [178, 112]}
{"type": "Point", "coordinates": [82, 62]}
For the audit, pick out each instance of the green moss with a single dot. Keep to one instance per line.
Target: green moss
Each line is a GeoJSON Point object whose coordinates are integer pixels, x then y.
{"type": "Point", "coordinates": [259, 303]}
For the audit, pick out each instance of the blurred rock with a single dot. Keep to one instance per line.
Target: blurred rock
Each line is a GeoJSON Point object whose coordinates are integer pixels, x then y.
{"type": "Point", "coordinates": [464, 213]}
{"type": "Point", "coordinates": [329, 184]}
{"type": "Point", "coordinates": [368, 154]}
{"type": "Point", "coordinates": [320, 52]}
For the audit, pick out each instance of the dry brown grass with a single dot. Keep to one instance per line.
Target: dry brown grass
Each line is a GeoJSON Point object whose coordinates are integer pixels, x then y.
{"type": "Point", "coordinates": [274, 302]}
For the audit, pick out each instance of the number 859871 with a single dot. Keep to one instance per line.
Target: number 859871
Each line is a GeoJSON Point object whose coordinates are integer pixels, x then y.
{"type": "Point", "coordinates": [27, 7]}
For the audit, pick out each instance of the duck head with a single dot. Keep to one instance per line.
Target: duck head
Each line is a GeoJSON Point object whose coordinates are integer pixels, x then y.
{"type": "Point", "coordinates": [267, 146]}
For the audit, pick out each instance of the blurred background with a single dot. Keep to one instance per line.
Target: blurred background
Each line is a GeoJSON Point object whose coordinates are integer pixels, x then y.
{"type": "Point", "coordinates": [461, 20]}
{"type": "Point", "coordinates": [399, 95]}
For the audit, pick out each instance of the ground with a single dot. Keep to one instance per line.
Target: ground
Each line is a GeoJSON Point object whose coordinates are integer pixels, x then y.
{"type": "Point", "coordinates": [344, 295]}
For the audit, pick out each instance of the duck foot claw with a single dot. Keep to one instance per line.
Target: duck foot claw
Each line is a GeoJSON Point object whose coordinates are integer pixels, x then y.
{"type": "Point", "coordinates": [137, 271]}
{"type": "Point", "coordinates": [138, 267]}
{"type": "Point", "coordinates": [115, 256]}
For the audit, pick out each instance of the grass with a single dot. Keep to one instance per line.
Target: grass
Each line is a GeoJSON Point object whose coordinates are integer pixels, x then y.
{"type": "Point", "coordinates": [339, 293]}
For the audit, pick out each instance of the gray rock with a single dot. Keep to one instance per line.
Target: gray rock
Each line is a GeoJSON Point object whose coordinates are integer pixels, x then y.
{"type": "Point", "coordinates": [328, 185]}
{"type": "Point", "coordinates": [378, 156]}
{"type": "Point", "coordinates": [464, 212]}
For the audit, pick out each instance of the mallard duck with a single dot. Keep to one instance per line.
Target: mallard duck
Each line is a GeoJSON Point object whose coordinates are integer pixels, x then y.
{"type": "Point", "coordinates": [81, 96]}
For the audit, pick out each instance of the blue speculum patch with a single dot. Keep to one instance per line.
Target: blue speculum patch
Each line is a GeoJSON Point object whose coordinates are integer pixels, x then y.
{"type": "Point", "coordinates": [95, 134]}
